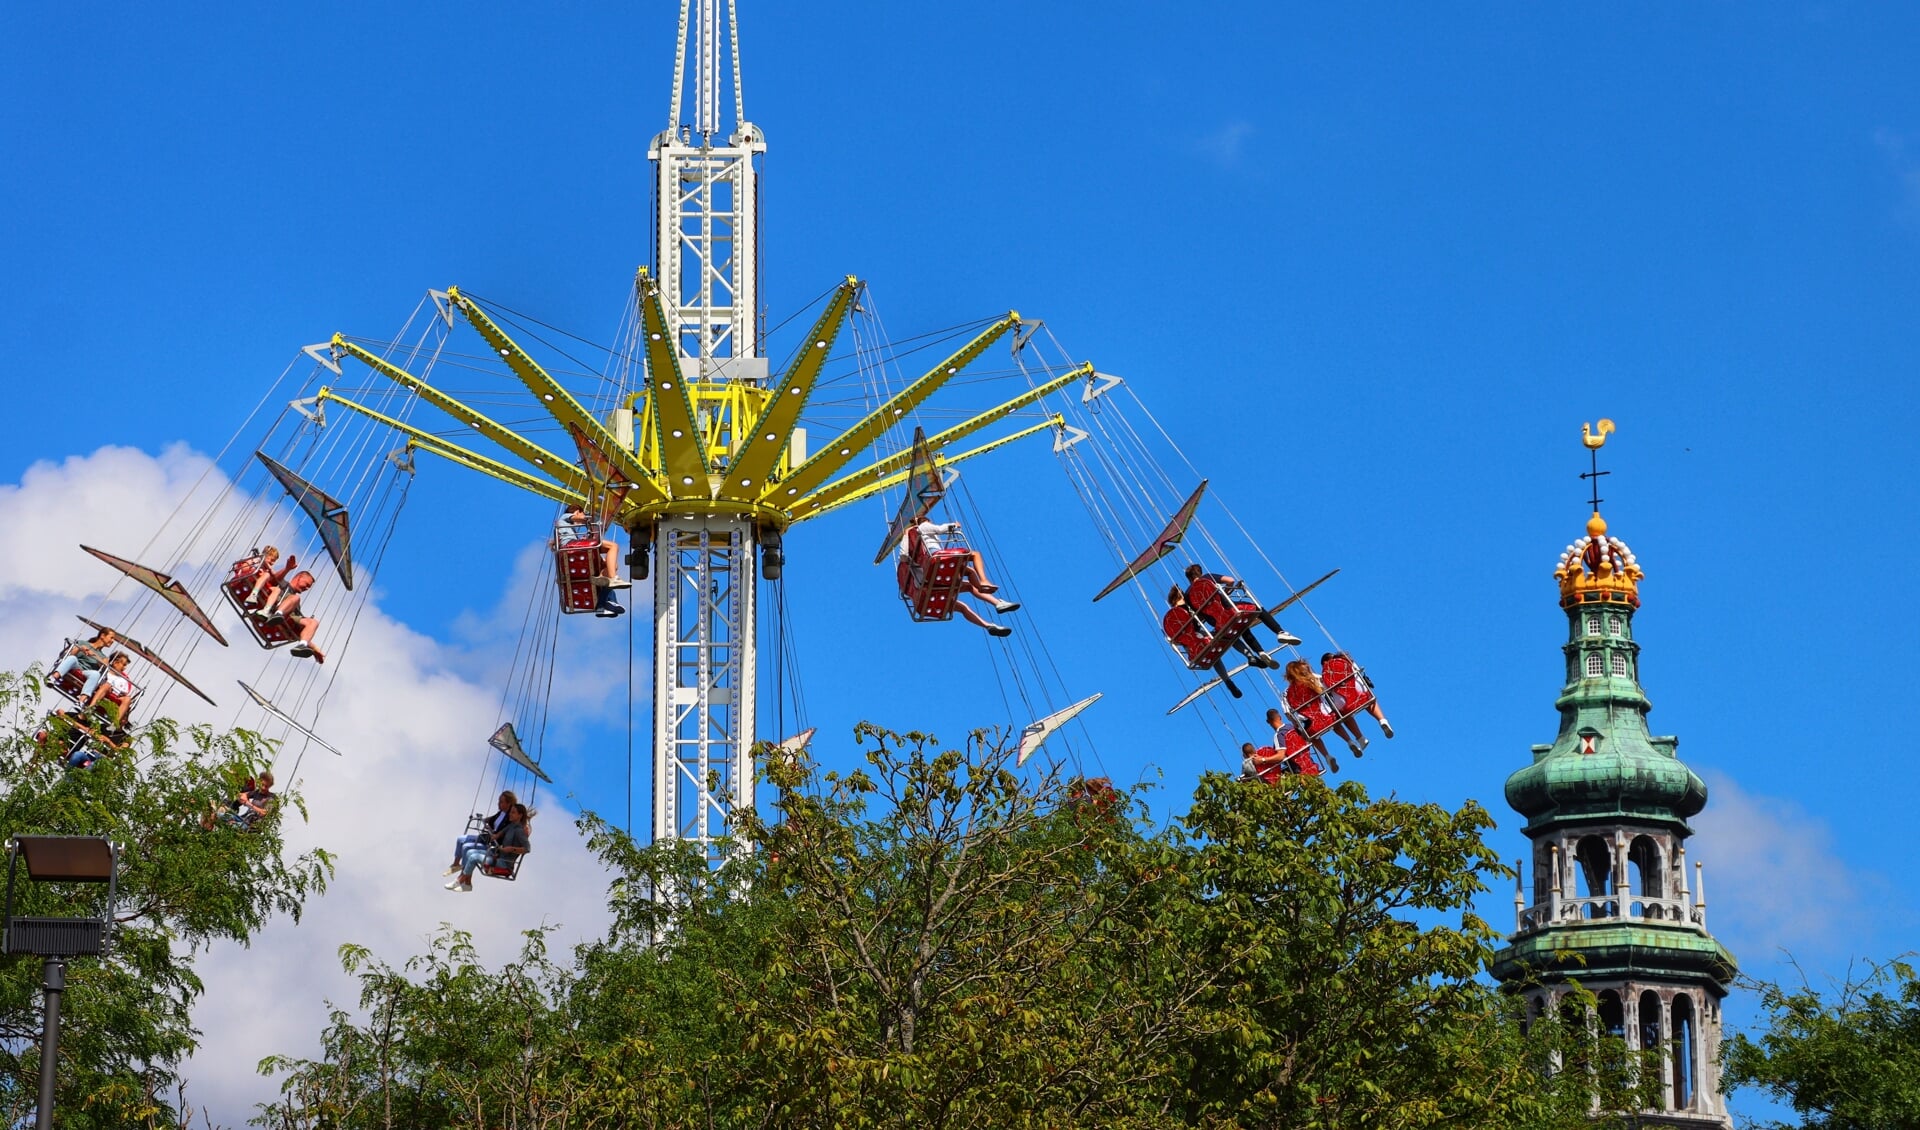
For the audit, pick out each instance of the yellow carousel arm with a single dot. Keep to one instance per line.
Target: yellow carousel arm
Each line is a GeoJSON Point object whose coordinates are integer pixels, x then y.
{"type": "Point", "coordinates": [559, 466]}
{"type": "Point", "coordinates": [841, 450]}
{"type": "Point", "coordinates": [766, 441]}
{"type": "Point", "coordinates": [682, 453]}
{"type": "Point", "coordinates": [558, 402]}
{"type": "Point", "coordinates": [810, 511]}
{"type": "Point", "coordinates": [567, 491]}
{"type": "Point", "coordinates": [830, 495]}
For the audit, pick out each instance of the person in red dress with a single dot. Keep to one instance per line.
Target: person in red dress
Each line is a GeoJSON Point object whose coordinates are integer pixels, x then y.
{"type": "Point", "coordinates": [1350, 687]}
{"type": "Point", "coordinates": [1293, 742]}
{"type": "Point", "coordinates": [1307, 698]}
{"type": "Point", "coordinates": [1211, 595]}
{"type": "Point", "coordinates": [1185, 629]}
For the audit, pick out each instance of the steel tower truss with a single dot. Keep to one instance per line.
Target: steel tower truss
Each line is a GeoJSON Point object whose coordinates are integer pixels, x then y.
{"type": "Point", "coordinates": [707, 451]}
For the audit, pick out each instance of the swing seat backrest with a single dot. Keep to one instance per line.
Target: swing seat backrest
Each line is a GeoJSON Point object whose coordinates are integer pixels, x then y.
{"type": "Point", "coordinates": [576, 567]}
{"type": "Point", "coordinates": [70, 685]}
{"type": "Point", "coordinates": [934, 582]}
{"type": "Point", "coordinates": [1224, 637]}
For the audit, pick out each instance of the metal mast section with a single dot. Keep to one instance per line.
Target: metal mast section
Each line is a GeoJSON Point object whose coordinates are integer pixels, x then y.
{"type": "Point", "coordinates": [706, 464]}
{"type": "Point", "coordinates": [706, 250]}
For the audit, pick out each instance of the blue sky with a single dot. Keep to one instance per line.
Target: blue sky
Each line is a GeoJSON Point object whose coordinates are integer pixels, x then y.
{"type": "Point", "coordinates": [1370, 267]}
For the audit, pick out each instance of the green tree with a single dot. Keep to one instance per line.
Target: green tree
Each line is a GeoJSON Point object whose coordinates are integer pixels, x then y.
{"type": "Point", "coordinates": [127, 1016]}
{"type": "Point", "coordinates": [1846, 1061]}
{"type": "Point", "coordinates": [938, 940]}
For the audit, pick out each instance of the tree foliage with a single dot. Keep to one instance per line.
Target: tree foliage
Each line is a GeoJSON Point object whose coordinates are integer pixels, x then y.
{"type": "Point", "coordinates": [126, 1017]}
{"type": "Point", "coordinates": [938, 940]}
{"type": "Point", "coordinates": [1849, 1060]}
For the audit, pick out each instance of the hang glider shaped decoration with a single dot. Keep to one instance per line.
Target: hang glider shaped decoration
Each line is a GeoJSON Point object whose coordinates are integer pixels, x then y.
{"type": "Point", "coordinates": [508, 743]}
{"type": "Point", "coordinates": [328, 516]}
{"type": "Point", "coordinates": [170, 590]}
{"type": "Point", "coordinates": [1167, 542]}
{"type": "Point", "coordinates": [139, 650]}
{"type": "Point", "coordinates": [925, 488]}
{"type": "Point", "coordinates": [267, 705]}
{"type": "Point", "coordinates": [1036, 733]}
{"type": "Point", "coordinates": [606, 487]}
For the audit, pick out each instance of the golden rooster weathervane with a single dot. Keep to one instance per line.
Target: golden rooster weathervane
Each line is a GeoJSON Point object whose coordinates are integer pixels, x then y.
{"type": "Point", "coordinates": [1595, 437]}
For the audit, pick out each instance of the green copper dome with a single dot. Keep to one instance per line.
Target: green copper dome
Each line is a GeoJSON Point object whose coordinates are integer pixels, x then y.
{"type": "Point", "coordinates": [1603, 764]}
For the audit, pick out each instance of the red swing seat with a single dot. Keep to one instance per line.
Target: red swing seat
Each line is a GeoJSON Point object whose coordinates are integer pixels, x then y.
{"type": "Point", "coordinates": [70, 685]}
{"type": "Point", "coordinates": [268, 631]}
{"type": "Point", "coordinates": [576, 566]}
{"type": "Point", "coordinates": [1231, 618]}
{"type": "Point", "coordinates": [1348, 684]}
{"type": "Point", "coordinates": [930, 583]}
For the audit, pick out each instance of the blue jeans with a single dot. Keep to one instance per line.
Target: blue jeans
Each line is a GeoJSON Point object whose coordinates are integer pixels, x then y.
{"type": "Point", "coordinates": [465, 844]}
{"type": "Point", "coordinates": [93, 682]}
{"type": "Point", "coordinates": [475, 857]}
{"type": "Point", "coordinates": [82, 758]}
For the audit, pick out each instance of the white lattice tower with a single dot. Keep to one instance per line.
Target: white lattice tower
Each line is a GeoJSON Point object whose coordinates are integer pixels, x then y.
{"type": "Point", "coordinates": [707, 241]}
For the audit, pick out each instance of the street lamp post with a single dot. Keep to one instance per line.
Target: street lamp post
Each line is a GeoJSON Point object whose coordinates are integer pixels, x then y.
{"type": "Point", "coordinates": [58, 859]}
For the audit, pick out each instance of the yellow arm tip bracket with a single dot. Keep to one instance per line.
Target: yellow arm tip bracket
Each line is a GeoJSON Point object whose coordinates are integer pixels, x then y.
{"type": "Point", "coordinates": [766, 441]}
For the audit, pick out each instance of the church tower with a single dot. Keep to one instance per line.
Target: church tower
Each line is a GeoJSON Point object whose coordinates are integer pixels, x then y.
{"type": "Point", "coordinates": [1606, 805]}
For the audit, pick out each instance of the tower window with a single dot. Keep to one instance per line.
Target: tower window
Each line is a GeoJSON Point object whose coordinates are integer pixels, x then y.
{"type": "Point", "coordinates": [1616, 625]}
{"type": "Point", "coordinates": [1593, 623]}
{"type": "Point", "coordinates": [1619, 664]}
{"type": "Point", "coordinates": [1594, 667]}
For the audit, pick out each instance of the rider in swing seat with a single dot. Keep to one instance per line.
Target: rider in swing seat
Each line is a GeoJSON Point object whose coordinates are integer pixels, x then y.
{"type": "Point", "coordinates": [918, 546]}
{"type": "Point", "coordinates": [267, 580]}
{"type": "Point", "coordinates": [1349, 684]}
{"type": "Point", "coordinates": [511, 841]}
{"type": "Point", "coordinates": [1211, 595]}
{"type": "Point", "coordinates": [305, 626]}
{"type": "Point", "coordinates": [1184, 628]}
{"type": "Point", "coordinates": [89, 656]}
{"type": "Point", "coordinates": [1318, 710]}
{"type": "Point", "coordinates": [252, 803]}
{"type": "Point", "coordinates": [490, 827]}
{"type": "Point", "coordinates": [1291, 736]}
{"type": "Point", "coordinates": [575, 530]}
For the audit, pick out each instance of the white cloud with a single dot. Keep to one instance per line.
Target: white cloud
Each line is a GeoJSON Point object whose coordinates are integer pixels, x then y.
{"type": "Point", "coordinates": [1225, 145]}
{"type": "Point", "coordinates": [412, 727]}
{"type": "Point", "coordinates": [1773, 880]}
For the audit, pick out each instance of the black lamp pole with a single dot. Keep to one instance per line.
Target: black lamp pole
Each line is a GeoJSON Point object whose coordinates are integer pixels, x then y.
{"type": "Point", "coordinates": [57, 859]}
{"type": "Point", "coordinates": [55, 983]}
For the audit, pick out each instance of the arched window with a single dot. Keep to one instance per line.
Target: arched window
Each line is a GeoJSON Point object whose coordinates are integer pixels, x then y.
{"type": "Point", "coordinates": [1593, 623]}
{"type": "Point", "coordinates": [1616, 626]}
{"type": "Point", "coordinates": [1684, 1053]}
{"type": "Point", "coordinates": [1542, 873]}
{"type": "Point", "coordinates": [1650, 1026]}
{"type": "Point", "coordinates": [1613, 1015]}
{"type": "Point", "coordinates": [1648, 878]}
{"type": "Point", "coordinates": [1594, 668]}
{"type": "Point", "coordinates": [1620, 664]}
{"type": "Point", "coordinates": [1596, 871]}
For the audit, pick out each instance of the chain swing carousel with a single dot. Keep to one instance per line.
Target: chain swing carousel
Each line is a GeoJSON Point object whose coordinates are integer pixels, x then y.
{"type": "Point", "coordinates": [690, 445]}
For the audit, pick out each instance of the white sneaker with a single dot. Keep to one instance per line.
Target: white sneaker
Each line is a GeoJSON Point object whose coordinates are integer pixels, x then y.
{"type": "Point", "coordinates": [619, 583]}
{"type": "Point", "coordinates": [454, 870]}
{"type": "Point", "coordinates": [456, 884]}
{"type": "Point", "coordinates": [1386, 727]}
